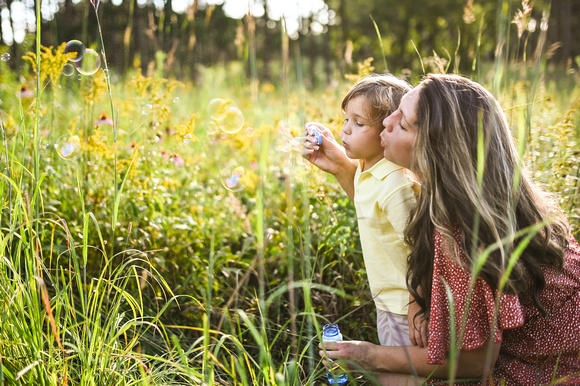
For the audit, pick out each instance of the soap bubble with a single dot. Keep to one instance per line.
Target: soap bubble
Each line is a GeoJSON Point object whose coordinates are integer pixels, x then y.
{"type": "Point", "coordinates": [249, 131]}
{"type": "Point", "coordinates": [211, 128]}
{"type": "Point", "coordinates": [187, 138]}
{"type": "Point", "coordinates": [147, 109]}
{"type": "Point", "coordinates": [217, 108]}
{"type": "Point", "coordinates": [233, 178]}
{"type": "Point", "coordinates": [176, 100]}
{"type": "Point", "coordinates": [68, 69]}
{"type": "Point", "coordinates": [69, 148]}
{"type": "Point", "coordinates": [5, 56]}
{"type": "Point", "coordinates": [106, 73]}
{"type": "Point", "coordinates": [232, 120]}
{"type": "Point", "coordinates": [89, 63]}
{"type": "Point", "coordinates": [75, 46]}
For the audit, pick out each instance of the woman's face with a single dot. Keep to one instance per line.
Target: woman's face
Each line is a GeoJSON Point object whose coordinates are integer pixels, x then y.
{"type": "Point", "coordinates": [400, 131]}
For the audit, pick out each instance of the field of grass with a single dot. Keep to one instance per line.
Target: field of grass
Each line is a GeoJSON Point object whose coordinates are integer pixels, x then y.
{"type": "Point", "coordinates": [143, 244]}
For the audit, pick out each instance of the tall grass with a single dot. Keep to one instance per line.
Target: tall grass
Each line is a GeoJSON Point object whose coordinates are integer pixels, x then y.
{"type": "Point", "coordinates": [178, 280]}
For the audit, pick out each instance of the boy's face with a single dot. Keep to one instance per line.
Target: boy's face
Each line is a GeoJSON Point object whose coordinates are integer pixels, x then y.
{"type": "Point", "coordinates": [359, 138]}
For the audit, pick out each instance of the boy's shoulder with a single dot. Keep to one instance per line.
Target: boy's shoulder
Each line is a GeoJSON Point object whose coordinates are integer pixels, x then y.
{"type": "Point", "coordinates": [385, 169]}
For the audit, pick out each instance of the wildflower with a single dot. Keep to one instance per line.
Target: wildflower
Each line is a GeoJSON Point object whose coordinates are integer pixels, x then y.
{"type": "Point", "coordinates": [177, 160]}
{"type": "Point", "coordinates": [522, 16]}
{"type": "Point", "coordinates": [25, 92]}
{"type": "Point", "coordinates": [103, 120]}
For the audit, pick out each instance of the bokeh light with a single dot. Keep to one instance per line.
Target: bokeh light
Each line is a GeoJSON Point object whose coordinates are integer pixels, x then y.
{"type": "Point", "coordinates": [233, 178]}
{"type": "Point", "coordinates": [231, 121]}
{"type": "Point", "coordinates": [89, 63]}
{"type": "Point", "coordinates": [77, 47]}
{"type": "Point", "coordinates": [69, 148]}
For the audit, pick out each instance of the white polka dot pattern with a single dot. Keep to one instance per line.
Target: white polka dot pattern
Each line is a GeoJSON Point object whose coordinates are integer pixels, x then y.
{"type": "Point", "coordinates": [534, 348]}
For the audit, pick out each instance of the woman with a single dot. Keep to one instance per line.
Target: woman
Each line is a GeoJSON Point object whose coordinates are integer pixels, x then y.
{"type": "Point", "coordinates": [477, 211]}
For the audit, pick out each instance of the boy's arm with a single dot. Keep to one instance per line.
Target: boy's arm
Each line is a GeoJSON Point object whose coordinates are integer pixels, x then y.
{"type": "Point", "coordinates": [330, 157]}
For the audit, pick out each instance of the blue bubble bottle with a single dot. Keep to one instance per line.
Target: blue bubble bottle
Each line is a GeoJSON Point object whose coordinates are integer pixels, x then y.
{"type": "Point", "coordinates": [331, 333]}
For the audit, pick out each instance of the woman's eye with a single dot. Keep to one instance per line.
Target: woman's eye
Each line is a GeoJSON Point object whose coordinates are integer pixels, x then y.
{"type": "Point", "coordinates": [402, 127]}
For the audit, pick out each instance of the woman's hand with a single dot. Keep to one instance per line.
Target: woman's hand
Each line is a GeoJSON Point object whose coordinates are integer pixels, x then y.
{"type": "Point", "coordinates": [418, 326]}
{"type": "Point", "coordinates": [351, 354]}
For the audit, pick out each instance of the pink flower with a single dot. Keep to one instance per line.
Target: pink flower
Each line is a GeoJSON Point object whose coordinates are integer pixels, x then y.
{"type": "Point", "coordinates": [25, 92]}
{"type": "Point", "coordinates": [103, 120]}
{"type": "Point", "coordinates": [177, 160]}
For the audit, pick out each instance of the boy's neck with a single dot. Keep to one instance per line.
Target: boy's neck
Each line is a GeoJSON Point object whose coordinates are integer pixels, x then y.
{"type": "Point", "coordinates": [368, 163]}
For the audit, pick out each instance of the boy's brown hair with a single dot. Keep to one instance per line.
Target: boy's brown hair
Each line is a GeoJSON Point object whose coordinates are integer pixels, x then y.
{"type": "Point", "coordinates": [383, 93]}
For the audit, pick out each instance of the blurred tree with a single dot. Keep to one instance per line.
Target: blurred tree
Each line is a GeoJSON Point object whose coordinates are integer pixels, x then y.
{"type": "Point", "coordinates": [443, 34]}
{"type": "Point", "coordinates": [563, 29]}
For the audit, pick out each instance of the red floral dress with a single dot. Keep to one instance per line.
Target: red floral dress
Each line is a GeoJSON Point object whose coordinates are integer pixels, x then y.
{"type": "Point", "coordinates": [535, 349]}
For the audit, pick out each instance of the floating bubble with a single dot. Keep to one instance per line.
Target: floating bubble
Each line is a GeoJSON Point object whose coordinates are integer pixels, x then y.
{"type": "Point", "coordinates": [75, 46]}
{"type": "Point", "coordinates": [217, 108]}
{"type": "Point", "coordinates": [147, 109]}
{"type": "Point", "coordinates": [233, 178]}
{"type": "Point", "coordinates": [232, 120]}
{"type": "Point", "coordinates": [106, 73]}
{"type": "Point", "coordinates": [211, 128]}
{"type": "Point", "coordinates": [89, 63]}
{"type": "Point", "coordinates": [176, 99]}
{"type": "Point", "coordinates": [68, 69]}
{"type": "Point", "coordinates": [249, 131]}
{"type": "Point", "coordinates": [69, 148]}
{"type": "Point", "coordinates": [5, 56]}
{"type": "Point", "coordinates": [289, 145]}
{"type": "Point", "coordinates": [187, 138]}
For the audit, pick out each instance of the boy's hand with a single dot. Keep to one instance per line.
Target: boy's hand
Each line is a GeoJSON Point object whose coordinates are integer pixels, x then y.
{"type": "Point", "coordinates": [418, 327]}
{"type": "Point", "coordinates": [328, 154]}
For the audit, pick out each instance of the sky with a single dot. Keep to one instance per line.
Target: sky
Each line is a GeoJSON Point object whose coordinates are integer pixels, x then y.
{"type": "Point", "coordinates": [291, 10]}
{"type": "Point", "coordinates": [23, 17]}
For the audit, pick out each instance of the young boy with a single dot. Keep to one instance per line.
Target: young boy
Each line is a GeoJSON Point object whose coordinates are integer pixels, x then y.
{"type": "Point", "coordinates": [382, 192]}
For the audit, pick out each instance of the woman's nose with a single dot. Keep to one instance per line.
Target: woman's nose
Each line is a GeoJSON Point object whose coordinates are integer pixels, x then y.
{"type": "Point", "coordinates": [387, 123]}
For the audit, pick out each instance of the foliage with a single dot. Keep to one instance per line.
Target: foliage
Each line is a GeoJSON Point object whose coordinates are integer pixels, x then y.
{"type": "Point", "coordinates": [194, 282]}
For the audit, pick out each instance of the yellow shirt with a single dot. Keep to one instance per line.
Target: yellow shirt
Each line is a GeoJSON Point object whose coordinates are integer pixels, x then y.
{"type": "Point", "coordinates": [384, 196]}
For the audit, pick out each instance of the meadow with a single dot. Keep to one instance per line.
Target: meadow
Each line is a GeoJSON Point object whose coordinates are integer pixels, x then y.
{"type": "Point", "coordinates": [157, 231]}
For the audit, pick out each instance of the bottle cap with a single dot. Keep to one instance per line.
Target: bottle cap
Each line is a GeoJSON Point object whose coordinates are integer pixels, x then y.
{"type": "Point", "coordinates": [330, 330]}
{"type": "Point", "coordinates": [318, 137]}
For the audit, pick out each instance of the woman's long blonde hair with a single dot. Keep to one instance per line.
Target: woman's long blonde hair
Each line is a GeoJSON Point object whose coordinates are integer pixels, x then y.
{"type": "Point", "coordinates": [456, 117]}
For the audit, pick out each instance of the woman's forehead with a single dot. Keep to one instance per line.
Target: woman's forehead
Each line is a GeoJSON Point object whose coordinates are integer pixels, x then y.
{"type": "Point", "coordinates": [408, 105]}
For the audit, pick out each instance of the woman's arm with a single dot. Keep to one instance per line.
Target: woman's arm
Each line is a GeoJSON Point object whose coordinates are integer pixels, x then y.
{"type": "Point", "coordinates": [418, 327]}
{"type": "Point", "coordinates": [409, 359]}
